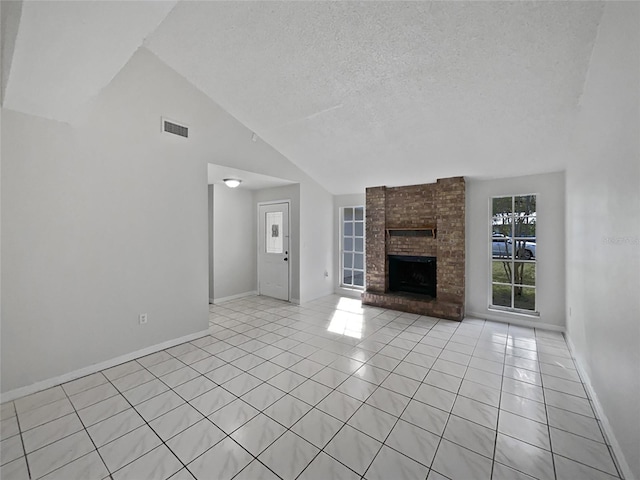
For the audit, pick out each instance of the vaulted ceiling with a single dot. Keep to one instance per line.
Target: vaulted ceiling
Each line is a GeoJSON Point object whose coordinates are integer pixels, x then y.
{"type": "Point", "coordinates": [355, 93]}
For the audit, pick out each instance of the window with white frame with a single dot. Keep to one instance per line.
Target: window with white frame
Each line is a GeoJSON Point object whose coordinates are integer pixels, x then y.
{"type": "Point", "coordinates": [513, 253]}
{"type": "Point", "coordinates": [352, 247]}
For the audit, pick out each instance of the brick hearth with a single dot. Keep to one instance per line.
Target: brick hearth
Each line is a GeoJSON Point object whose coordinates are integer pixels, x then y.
{"type": "Point", "coordinates": [440, 205]}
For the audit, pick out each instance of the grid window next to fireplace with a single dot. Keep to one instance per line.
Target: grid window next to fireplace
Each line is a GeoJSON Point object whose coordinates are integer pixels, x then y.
{"type": "Point", "coordinates": [412, 274]}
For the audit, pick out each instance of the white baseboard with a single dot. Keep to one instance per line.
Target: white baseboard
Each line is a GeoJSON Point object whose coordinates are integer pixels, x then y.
{"type": "Point", "coordinates": [83, 372]}
{"type": "Point", "coordinates": [516, 321]}
{"type": "Point", "coordinates": [610, 438]}
{"type": "Point", "coordinates": [216, 301]}
{"type": "Point", "coordinates": [313, 297]}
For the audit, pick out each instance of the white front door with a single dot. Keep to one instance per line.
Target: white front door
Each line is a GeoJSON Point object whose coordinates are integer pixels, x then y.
{"type": "Point", "coordinates": [273, 250]}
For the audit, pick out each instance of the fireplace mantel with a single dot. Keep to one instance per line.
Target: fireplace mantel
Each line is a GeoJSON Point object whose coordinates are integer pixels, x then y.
{"type": "Point", "coordinates": [427, 231]}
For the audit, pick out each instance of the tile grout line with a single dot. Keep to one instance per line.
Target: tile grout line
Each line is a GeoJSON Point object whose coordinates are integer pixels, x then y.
{"type": "Point", "coordinates": [146, 423]}
{"type": "Point", "coordinates": [26, 459]}
{"type": "Point", "coordinates": [520, 396]}
{"type": "Point", "coordinates": [546, 410]}
{"type": "Point", "coordinates": [121, 394]}
{"type": "Point", "coordinates": [86, 431]}
{"type": "Point", "coordinates": [495, 443]}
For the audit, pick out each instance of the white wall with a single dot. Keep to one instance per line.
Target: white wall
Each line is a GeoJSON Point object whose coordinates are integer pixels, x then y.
{"type": "Point", "coordinates": [291, 193]}
{"type": "Point", "coordinates": [339, 201]}
{"type": "Point", "coordinates": [603, 229]}
{"type": "Point", "coordinates": [107, 219]}
{"type": "Point", "coordinates": [316, 242]}
{"type": "Point", "coordinates": [96, 230]}
{"type": "Point", "coordinates": [550, 248]}
{"type": "Point", "coordinates": [234, 242]}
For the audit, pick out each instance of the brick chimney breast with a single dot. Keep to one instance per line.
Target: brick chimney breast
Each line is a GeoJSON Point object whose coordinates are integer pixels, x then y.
{"type": "Point", "coordinates": [399, 221]}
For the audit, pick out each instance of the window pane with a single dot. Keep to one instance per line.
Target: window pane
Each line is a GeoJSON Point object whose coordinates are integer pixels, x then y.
{"type": "Point", "coordinates": [524, 273]}
{"type": "Point", "coordinates": [273, 232]}
{"type": "Point", "coordinates": [358, 261]}
{"type": "Point", "coordinates": [501, 206]}
{"type": "Point", "coordinates": [348, 228]}
{"type": "Point", "coordinates": [502, 227]}
{"type": "Point", "coordinates": [501, 247]}
{"type": "Point", "coordinates": [348, 214]}
{"type": "Point", "coordinates": [348, 244]}
{"type": "Point", "coordinates": [502, 272]}
{"type": "Point", "coordinates": [501, 296]}
{"type": "Point", "coordinates": [525, 249]}
{"type": "Point", "coordinates": [526, 227]}
{"type": "Point", "coordinates": [352, 246]}
{"type": "Point", "coordinates": [525, 205]}
{"type": "Point", "coordinates": [525, 298]}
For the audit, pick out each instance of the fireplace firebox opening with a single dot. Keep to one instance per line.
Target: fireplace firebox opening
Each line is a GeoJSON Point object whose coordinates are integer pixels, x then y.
{"type": "Point", "coordinates": [413, 274]}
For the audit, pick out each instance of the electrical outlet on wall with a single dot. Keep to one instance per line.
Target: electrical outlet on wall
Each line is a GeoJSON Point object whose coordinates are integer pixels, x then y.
{"type": "Point", "coordinates": [142, 318]}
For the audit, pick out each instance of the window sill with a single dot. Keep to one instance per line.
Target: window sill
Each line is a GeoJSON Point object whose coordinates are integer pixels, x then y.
{"type": "Point", "coordinates": [351, 287]}
{"type": "Point", "coordinates": [512, 311]}
{"type": "Point", "coordinates": [349, 291]}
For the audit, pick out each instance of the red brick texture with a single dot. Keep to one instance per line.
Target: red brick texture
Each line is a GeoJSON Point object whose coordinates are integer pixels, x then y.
{"type": "Point", "coordinates": [376, 251]}
{"type": "Point", "coordinates": [440, 204]}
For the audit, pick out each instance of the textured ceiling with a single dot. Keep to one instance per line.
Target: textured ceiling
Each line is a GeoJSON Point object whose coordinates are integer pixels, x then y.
{"type": "Point", "coordinates": [355, 93]}
{"type": "Point", "coordinates": [374, 93]}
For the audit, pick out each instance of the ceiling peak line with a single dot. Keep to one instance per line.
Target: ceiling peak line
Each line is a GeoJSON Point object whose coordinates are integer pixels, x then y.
{"type": "Point", "coordinates": [308, 117]}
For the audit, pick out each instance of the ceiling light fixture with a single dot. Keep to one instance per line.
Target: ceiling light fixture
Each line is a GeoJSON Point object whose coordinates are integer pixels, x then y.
{"type": "Point", "coordinates": [232, 182]}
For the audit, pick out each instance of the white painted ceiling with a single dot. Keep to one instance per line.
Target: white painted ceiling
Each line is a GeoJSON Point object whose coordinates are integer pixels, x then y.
{"type": "Point", "coordinates": [67, 51]}
{"type": "Point", "coordinates": [250, 180]}
{"type": "Point", "coordinates": [355, 93]}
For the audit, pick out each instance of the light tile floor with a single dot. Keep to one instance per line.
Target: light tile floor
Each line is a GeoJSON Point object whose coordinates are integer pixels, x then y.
{"type": "Point", "coordinates": [330, 389]}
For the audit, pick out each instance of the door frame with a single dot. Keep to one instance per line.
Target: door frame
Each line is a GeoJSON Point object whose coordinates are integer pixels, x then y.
{"type": "Point", "coordinates": [259, 219]}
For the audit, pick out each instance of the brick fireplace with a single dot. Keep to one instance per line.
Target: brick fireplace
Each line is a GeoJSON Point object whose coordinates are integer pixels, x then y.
{"type": "Point", "coordinates": [416, 223]}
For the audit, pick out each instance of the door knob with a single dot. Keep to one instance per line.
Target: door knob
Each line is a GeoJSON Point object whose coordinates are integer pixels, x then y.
{"type": "Point", "coordinates": [286, 259]}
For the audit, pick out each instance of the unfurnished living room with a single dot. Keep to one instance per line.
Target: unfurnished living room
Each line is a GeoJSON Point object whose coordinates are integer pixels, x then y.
{"type": "Point", "coordinates": [299, 240]}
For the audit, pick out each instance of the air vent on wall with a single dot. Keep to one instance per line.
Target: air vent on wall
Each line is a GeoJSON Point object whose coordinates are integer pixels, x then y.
{"type": "Point", "coordinates": [169, 126]}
